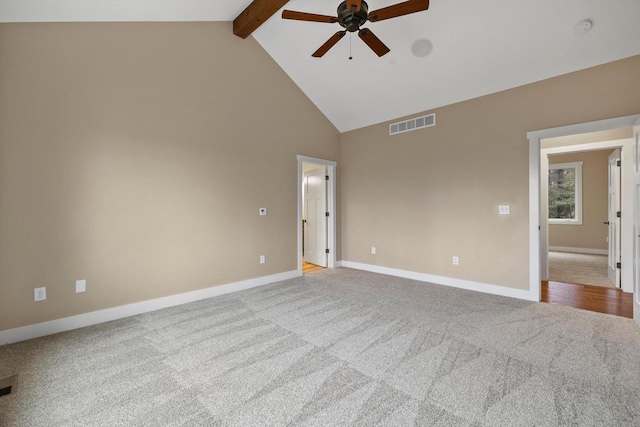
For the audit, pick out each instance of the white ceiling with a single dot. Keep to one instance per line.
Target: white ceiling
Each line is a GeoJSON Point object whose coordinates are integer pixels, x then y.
{"type": "Point", "coordinates": [480, 46]}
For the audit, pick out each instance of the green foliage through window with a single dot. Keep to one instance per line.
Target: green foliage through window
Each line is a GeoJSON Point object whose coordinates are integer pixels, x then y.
{"type": "Point", "coordinates": [562, 193]}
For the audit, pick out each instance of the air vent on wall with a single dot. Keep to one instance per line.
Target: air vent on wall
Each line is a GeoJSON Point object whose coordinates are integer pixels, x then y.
{"type": "Point", "coordinates": [413, 124]}
{"type": "Point", "coordinates": [8, 385]}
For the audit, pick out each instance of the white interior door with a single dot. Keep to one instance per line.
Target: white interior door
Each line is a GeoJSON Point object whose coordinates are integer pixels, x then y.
{"type": "Point", "coordinates": [544, 215]}
{"type": "Point", "coordinates": [315, 215]}
{"type": "Point", "coordinates": [636, 246]}
{"type": "Point", "coordinates": [614, 217]}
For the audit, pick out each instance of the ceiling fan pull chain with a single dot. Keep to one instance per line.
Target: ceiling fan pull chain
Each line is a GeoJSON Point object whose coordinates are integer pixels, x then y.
{"type": "Point", "coordinates": [350, 57]}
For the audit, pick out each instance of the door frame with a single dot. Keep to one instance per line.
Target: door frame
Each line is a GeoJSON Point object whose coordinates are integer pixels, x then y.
{"type": "Point", "coordinates": [535, 219]}
{"type": "Point", "coordinates": [331, 208]}
{"type": "Point", "coordinates": [636, 230]}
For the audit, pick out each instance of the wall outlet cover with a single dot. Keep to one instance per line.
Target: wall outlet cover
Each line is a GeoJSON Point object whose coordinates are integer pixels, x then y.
{"type": "Point", "coordinates": [40, 294]}
{"type": "Point", "coordinates": [503, 210]}
{"type": "Point", "coordinates": [262, 211]}
{"type": "Point", "coordinates": [81, 286]}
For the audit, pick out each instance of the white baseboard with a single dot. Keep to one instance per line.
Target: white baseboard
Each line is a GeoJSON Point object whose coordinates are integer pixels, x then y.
{"type": "Point", "coordinates": [446, 281]}
{"type": "Point", "coordinates": [338, 264]}
{"type": "Point", "coordinates": [579, 250]}
{"type": "Point", "coordinates": [87, 319]}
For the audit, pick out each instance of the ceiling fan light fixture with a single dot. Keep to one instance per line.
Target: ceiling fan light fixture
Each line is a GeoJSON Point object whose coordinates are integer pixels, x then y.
{"type": "Point", "coordinates": [350, 19]}
{"type": "Point", "coordinates": [421, 48]}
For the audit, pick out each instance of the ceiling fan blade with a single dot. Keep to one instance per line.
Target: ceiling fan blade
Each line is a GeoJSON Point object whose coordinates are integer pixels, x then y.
{"type": "Point", "coordinates": [373, 42]}
{"type": "Point", "coordinates": [303, 16]}
{"type": "Point", "coordinates": [354, 3]}
{"type": "Point", "coordinates": [399, 9]}
{"type": "Point", "coordinates": [329, 44]}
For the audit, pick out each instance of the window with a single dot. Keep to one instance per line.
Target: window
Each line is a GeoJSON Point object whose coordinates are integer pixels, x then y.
{"type": "Point", "coordinates": [565, 193]}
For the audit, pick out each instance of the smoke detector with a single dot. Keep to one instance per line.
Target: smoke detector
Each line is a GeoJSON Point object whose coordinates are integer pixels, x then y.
{"type": "Point", "coordinates": [583, 27]}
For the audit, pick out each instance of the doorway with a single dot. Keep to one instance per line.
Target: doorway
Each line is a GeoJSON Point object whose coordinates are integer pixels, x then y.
{"type": "Point", "coordinates": [316, 214]}
{"type": "Point", "coordinates": [538, 238]}
{"type": "Point", "coordinates": [583, 224]}
{"type": "Point", "coordinates": [582, 240]}
{"type": "Point", "coordinates": [555, 150]}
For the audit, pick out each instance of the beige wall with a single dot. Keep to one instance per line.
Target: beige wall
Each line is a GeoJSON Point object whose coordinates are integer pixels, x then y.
{"type": "Point", "coordinates": [422, 197]}
{"type": "Point", "coordinates": [592, 234]}
{"type": "Point", "coordinates": [136, 156]}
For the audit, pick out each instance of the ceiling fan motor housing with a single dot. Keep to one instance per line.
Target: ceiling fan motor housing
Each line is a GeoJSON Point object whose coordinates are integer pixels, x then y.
{"type": "Point", "coordinates": [352, 20]}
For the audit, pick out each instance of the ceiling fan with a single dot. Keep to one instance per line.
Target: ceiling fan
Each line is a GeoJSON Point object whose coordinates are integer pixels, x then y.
{"type": "Point", "coordinates": [352, 14]}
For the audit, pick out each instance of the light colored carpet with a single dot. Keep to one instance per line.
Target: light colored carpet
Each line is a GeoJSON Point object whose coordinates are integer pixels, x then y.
{"type": "Point", "coordinates": [334, 348]}
{"type": "Point", "coordinates": [583, 269]}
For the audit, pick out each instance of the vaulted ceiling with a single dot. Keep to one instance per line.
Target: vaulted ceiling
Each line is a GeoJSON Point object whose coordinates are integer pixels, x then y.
{"type": "Point", "coordinates": [479, 46]}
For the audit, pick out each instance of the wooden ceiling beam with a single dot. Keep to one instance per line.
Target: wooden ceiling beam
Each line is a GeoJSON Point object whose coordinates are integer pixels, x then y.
{"type": "Point", "coordinates": [255, 15]}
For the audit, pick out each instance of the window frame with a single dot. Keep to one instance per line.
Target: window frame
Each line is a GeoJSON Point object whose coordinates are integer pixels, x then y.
{"type": "Point", "coordinates": [578, 193]}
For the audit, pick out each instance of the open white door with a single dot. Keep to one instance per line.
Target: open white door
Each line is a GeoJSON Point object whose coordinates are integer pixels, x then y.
{"type": "Point", "coordinates": [614, 217]}
{"type": "Point", "coordinates": [636, 228]}
{"type": "Point", "coordinates": [315, 212]}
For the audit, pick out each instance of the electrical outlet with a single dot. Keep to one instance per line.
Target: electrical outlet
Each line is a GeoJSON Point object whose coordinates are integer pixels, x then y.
{"type": "Point", "coordinates": [40, 294]}
{"type": "Point", "coordinates": [262, 211]}
{"type": "Point", "coordinates": [81, 286]}
{"type": "Point", "coordinates": [456, 260]}
{"type": "Point", "coordinates": [262, 259]}
{"type": "Point", "coordinates": [373, 250]}
{"type": "Point", "coordinates": [503, 210]}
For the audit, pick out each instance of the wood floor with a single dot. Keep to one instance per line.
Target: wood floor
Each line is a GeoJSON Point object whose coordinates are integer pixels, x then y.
{"type": "Point", "coordinates": [587, 297]}
{"type": "Point", "coordinates": [308, 267]}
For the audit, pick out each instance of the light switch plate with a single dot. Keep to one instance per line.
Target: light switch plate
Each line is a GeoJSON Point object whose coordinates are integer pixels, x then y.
{"type": "Point", "coordinates": [503, 210]}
